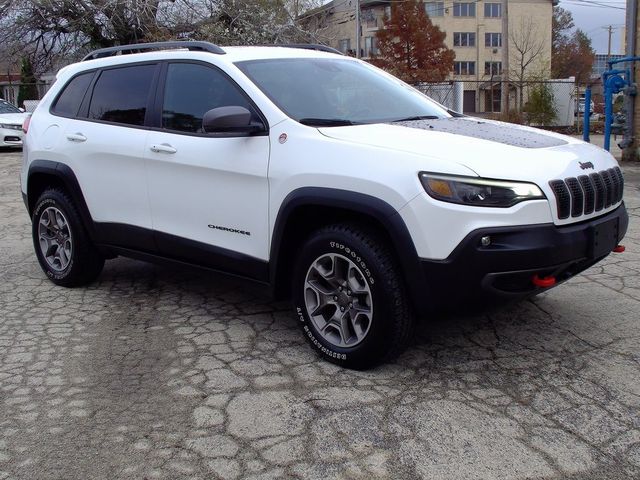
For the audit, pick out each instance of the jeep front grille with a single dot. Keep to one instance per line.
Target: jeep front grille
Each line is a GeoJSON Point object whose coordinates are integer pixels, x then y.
{"type": "Point", "coordinates": [587, 194]}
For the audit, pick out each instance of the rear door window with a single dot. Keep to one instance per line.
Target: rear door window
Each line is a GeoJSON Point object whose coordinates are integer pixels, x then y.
{"type": "Point", "coordinates": [121, 95]}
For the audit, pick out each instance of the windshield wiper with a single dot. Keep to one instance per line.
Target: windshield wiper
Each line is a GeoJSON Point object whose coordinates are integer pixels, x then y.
{"type": "Point", "coordinates": [418, 117]}
{"type": "Point", "coordinates": [325, 122]}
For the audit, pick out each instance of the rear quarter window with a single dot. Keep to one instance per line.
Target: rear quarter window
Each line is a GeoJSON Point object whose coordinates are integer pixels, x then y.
{"type": "Point", "coordinates": [68, 102]}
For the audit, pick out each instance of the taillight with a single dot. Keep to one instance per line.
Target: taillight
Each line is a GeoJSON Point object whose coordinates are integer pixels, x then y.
{"type": "Point", "coordinates": [25, 124]}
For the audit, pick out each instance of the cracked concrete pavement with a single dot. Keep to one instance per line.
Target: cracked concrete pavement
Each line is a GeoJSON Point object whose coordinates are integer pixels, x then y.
{"type": "Point", "coordinates": [154, 372]}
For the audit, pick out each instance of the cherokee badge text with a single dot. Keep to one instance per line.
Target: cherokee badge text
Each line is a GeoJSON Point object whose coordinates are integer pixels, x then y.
{"type": "Point", "coordinates": [227, 229]}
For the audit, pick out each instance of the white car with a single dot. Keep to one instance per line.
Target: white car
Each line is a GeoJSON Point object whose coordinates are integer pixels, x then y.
{"type": "Point", "coordinates": [338, 185]}
{"type": "Point", "coordinates": [11, 120]}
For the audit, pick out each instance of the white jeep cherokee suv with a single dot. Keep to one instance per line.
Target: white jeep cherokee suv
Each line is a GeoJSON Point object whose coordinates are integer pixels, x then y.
{"type": "Point", "coordinates": [335, 183]}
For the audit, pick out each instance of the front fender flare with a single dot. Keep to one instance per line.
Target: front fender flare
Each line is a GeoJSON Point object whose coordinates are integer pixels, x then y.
{"type": "Point", "coordinates": [361, 204]}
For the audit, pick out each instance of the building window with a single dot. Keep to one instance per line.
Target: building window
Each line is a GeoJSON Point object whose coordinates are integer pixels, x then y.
{"type": "Point", "coordinates": [492, 39]}
{"type": "Point", "coordinates": [492, 68]}
{"type": "Point", "coordinates": [464, 68]}
{"type": "Point", "coordinates": [464, 9]}
{"type": "Point", "coordinates": [464, 39]}
{"type": "Point", "coordinates": [492, 98]}
{"type": "Point", "coordinates": [434, 9]}
{"type": "Point", "coordinates": [344, 45]}
{"type": "Point", "coordinates": [370, 46]}
{"type": "Point", "coordinates": [387, 12]}
{"type": "Point", "coordinates": [493, 10]}
{"type": "Point", "coordinates": [369, 18]}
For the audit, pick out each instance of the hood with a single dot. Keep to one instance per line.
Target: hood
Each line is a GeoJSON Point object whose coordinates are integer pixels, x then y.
{"type": "Point", "coordinates": [13, 118]}
{"type": "Point", "coordinates": [491, 149]}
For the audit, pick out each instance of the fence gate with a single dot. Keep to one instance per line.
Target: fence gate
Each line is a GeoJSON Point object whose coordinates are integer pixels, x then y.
{"type": "Point", "coordinates": [448, 94]}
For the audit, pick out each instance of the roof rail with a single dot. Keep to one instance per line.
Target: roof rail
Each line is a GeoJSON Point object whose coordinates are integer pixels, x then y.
{"type": "Point", "coordinates": [140, 47]}
{"type": "Point", "coordinates": [310, 46]}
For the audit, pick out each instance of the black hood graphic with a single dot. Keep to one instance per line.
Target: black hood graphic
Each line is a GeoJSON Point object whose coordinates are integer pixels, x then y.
{"type": "Point", "coordinates": [500, 132]}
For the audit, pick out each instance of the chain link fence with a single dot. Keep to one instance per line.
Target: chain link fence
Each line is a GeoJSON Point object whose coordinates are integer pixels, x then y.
{"type": "Point", "coordinates": [551, 103]}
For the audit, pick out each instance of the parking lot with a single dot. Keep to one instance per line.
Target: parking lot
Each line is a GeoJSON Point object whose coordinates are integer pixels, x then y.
{"type": "Point", "coordinates": [154, 372]}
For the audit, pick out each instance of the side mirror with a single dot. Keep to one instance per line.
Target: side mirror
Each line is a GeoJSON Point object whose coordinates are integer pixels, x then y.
{"type": "Point", "coordinates": [21, 109]}
{"type": "Point", "coordinates": [231, 119]}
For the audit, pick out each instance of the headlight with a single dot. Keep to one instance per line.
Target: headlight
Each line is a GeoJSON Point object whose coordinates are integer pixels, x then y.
{"type": "Point", "coordinates": [479, 192]}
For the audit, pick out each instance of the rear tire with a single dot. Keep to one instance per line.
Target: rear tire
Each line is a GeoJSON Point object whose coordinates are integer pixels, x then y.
{"type": "Point", "coordinates": [62, 245]}
{"type": "Point", "coordinates": [349, 297]}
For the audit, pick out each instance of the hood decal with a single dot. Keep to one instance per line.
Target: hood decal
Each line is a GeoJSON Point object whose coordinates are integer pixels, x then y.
{"type": "Point", "coordinates": [499, 132]}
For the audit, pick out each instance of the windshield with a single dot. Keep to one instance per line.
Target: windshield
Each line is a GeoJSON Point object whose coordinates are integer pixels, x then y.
{"type": "Point", "coordinates": [6, 107]}
{"type": "Point", "coordinates": [332, 92]}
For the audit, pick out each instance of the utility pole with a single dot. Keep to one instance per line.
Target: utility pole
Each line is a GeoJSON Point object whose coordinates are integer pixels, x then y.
{"type": "Point", "coordinates": [357, 28]}
{"type": "Point", "coordinates": [505, 58]}
{"type": "Point", "coordinates": [610, 28]}
{"type": "Point", "coordinates": [630, 143]}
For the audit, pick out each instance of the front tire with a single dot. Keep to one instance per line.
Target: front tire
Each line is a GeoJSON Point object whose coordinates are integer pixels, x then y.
{"type": "Point", "coordinates": [349, 297]}
{"type": "Point", "coordinates": [62, 245]}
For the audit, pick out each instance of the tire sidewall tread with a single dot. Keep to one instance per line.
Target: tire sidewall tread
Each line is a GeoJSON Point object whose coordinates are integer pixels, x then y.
{"type": "Point", "coordinates": [86, 263]}
{"type": "Point", "coordinates": [392, 320]}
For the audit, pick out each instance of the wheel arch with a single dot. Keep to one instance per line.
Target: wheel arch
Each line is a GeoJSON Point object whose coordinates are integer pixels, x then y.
{"type": "Point", "coordinates": [306, 209]}
{"type": "Point", "coordinates": [43, 174]}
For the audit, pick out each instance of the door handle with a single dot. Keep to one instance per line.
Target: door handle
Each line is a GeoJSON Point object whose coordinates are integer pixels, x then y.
{"type": "Point", "coordinates": [163, 148]}
{"type": "Point", "coordinates": [76, 137]}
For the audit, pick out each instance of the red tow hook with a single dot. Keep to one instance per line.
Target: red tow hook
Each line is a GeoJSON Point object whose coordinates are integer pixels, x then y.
{"type": "Point", "coordinates": [544, 282]}
{"type": "Point", "coordinates": [619, 249]}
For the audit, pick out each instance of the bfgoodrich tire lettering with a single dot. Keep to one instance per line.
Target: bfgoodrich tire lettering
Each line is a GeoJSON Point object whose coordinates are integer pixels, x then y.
{"type": "Point", "coordinates": [62, 246]}
{"type": "Point", "coordinates": [349, 297]}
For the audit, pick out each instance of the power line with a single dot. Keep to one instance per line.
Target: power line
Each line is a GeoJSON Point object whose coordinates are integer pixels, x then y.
{"type": "Point", "coordinates": [590, 3]}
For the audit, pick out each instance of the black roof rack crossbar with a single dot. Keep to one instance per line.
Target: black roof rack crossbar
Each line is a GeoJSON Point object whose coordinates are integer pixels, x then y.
{"type": "Point", "coordinates": [140, 47]}
{"type": "Point", "coordinates": [310, 46]}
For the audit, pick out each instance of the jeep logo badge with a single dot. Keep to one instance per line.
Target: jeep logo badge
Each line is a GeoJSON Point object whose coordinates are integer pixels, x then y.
{"type": "Point", "coordinates": [586, 165]}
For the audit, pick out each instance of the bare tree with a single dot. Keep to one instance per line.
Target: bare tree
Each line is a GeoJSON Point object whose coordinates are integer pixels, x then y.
{"type": "Point", "coordinates": [527, 50]}
{"type": "Point", "coordinates": [46, 30]}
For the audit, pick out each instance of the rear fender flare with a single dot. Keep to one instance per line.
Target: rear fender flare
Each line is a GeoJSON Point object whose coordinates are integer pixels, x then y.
{"type": "Point", "coordinates": [64, 175]}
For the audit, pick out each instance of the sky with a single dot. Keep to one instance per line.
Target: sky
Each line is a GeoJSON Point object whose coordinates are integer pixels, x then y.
{"type": "Point", "coordinates": [594, 20]}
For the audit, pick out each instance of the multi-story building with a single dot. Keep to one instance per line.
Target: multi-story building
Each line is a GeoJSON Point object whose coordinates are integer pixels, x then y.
{"type": "Point", "coordinates": [474, 30]}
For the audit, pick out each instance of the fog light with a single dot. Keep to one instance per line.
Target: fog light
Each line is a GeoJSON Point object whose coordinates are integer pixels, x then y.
{"type": "Point", "coordinates": [485, 241]}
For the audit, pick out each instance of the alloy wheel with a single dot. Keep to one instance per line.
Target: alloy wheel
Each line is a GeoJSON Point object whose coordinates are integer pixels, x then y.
{"type": "Point", "coordinates": [338, 300]}
{"type": "Point", "coordinates": [54, 237]}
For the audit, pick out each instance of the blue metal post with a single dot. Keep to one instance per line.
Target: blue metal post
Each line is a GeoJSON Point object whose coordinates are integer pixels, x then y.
{"type": "Point", "coordinates": [587, 114]}
{"type": "Point", "coordinates": [608, 113]}
{"type": "Point", "coordinates": [614, 83]}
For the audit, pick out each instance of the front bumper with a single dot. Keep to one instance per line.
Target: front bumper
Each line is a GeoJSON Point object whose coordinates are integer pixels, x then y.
{"type": "Point", "coordinates": [11, 138]}
{"type": "Point", "coordinates": [475, 275]}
